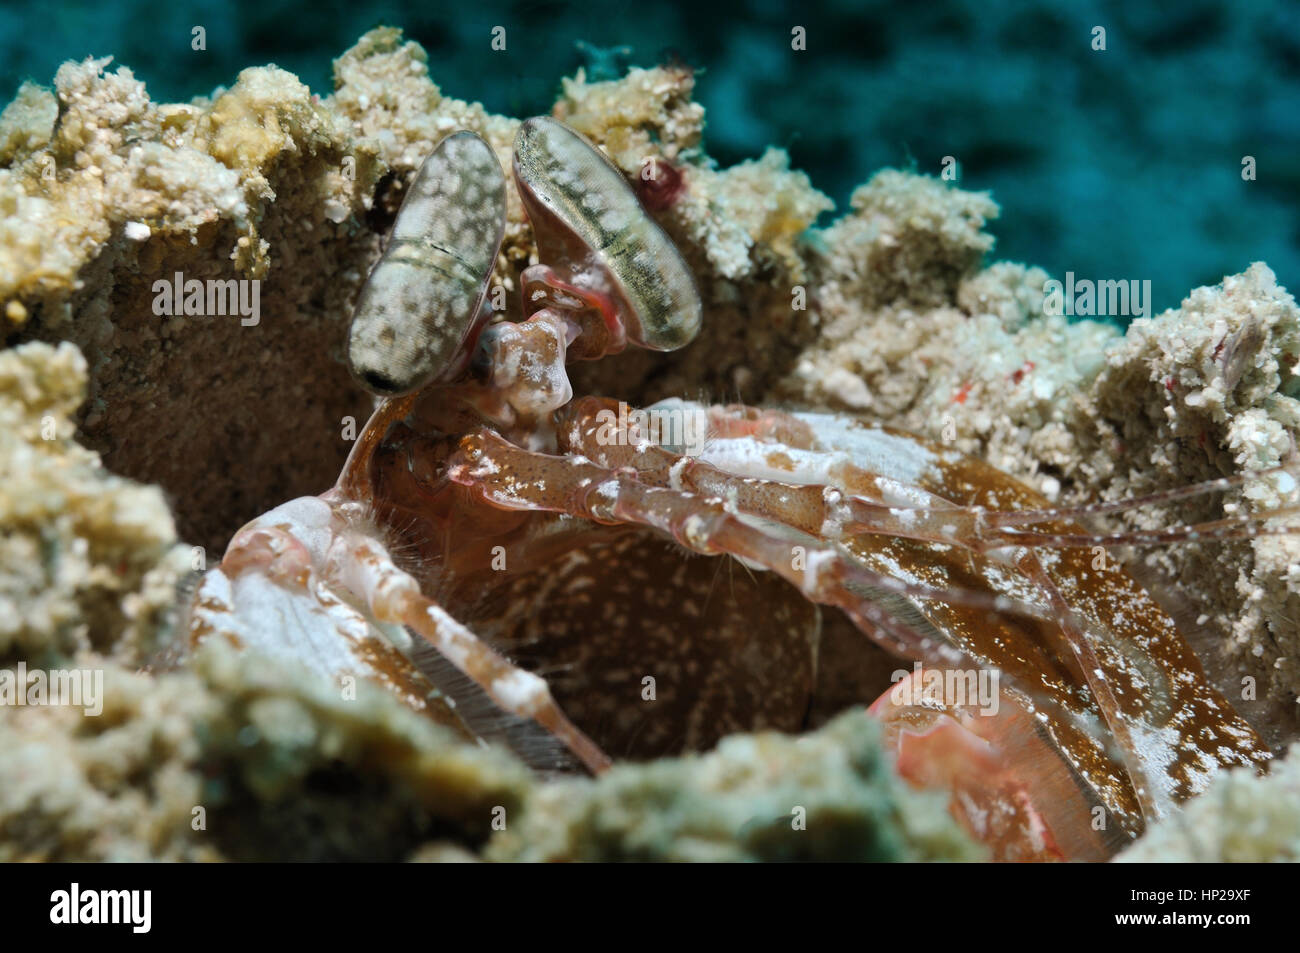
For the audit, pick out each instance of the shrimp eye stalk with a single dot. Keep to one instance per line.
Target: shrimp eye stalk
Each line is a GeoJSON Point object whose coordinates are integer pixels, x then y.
{"type": "Point", "coordinates": [422, 306]}
{"type": "Point", "coordinates": [590, 225]}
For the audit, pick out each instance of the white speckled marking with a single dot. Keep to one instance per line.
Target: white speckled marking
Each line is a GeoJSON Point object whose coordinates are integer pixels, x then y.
{"type": "Point", "coordinates": [423, 295]}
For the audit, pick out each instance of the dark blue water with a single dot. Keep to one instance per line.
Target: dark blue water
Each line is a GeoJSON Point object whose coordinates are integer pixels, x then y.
{"type": "Point", "coordinates": [1122, 163]}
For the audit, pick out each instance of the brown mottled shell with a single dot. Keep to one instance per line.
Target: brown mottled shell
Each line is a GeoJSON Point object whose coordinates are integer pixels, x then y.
{"type": "Point", "coordinates": [579, 201]}
{"type": "Point", "coordinates": [423, 297]}
{"type": "Point", "coordinates": [1165, 703]}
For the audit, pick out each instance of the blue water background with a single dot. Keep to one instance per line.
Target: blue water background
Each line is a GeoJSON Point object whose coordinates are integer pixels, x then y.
{"type": "Point", "coordinates": [1123, 163]}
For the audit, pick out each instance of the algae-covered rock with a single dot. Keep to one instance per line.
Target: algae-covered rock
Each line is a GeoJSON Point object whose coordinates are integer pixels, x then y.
{"type": "Point", "coordinates": [1189, 395]}
{"type": "Point", "coordinates": [244, 759]}
{"type": "Point", "coordinates": [831, 795]}
{"type": "Point", "coordinates": [88, 559]}
{"type": "Point", "coordinates": [1242, 818]}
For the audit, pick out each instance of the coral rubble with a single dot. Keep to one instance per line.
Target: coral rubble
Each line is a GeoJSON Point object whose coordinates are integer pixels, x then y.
{"type": "Point", "coordinates": [240, 758]}
{"type": "Point", "coordinates": [825, 796]}
{"type": "Point", "coordinates": [89, 561]}
{"type": "Point", "coordinates": [1242, 818]}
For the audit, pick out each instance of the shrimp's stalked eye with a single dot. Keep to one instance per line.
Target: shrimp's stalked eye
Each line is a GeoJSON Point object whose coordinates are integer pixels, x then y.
{"type": "Point", "coordinates": [587, 218]}
{"type": "Point", "coordinates": [423, 298]}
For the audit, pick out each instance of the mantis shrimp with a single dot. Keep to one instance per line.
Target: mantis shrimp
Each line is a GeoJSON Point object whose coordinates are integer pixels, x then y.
{"type": "Point", "coordinates": [484, 510]}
